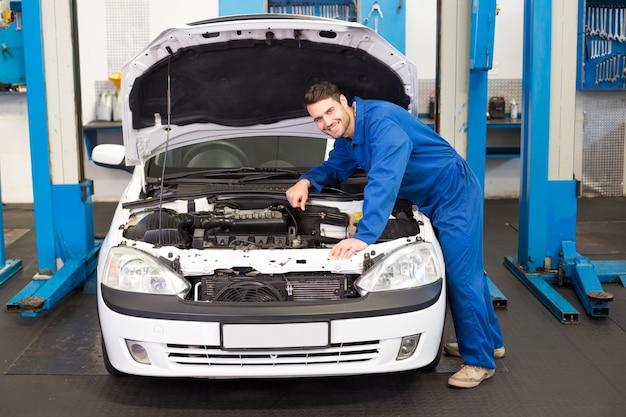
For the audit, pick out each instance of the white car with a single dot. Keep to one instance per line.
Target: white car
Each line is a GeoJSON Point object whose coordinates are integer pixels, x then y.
{"type": "Point", "coordinates": [207, 271]}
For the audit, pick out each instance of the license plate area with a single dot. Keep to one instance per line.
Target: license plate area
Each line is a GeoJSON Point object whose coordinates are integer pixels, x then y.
{"type": "Point", "coordinates": [237, 336]}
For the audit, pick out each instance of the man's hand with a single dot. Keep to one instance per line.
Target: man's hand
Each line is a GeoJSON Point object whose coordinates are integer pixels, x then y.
{"type": "Point", "coordinates": [346, 248]}
{"type": "Point", "coordinates": [298, 194]}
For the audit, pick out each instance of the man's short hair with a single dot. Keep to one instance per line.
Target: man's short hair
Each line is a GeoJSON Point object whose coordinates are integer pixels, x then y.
{"type": "Point", "coordinates": [321, 91]}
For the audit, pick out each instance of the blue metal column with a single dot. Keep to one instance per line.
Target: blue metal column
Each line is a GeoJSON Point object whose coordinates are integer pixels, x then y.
{"type": "Point", "coordinates": [63, 212]}
{"type": "Point", "coordinates": [535, 133]}
{"type": "Point", "coordinates": [38, 128]}
{"type": "Point", "coordinates": [482, 33]}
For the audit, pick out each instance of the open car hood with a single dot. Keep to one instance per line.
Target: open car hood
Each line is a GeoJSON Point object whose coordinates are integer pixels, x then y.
{"type": "Point", "coordinates": [227, 76]}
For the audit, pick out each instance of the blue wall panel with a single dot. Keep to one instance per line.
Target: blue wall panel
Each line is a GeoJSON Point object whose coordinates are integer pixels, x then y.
{"type": "Point", "coordinates": [389, 17]}
{"type": "Point", "coordinates": [230, 7]}
{"type": "Point", "coordinates": [12, 44]}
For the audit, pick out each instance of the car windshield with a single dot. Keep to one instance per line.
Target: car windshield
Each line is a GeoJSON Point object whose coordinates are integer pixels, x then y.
{"type": "Point", "coordinates": [252, 153]}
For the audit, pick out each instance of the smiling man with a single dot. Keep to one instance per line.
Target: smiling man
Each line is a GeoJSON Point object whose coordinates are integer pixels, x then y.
{"type": "Point", "coordinates": [404, 157]}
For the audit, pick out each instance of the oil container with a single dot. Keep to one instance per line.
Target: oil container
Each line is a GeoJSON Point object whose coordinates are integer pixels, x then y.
{"type": "Point", "coordinates": [496, 107]}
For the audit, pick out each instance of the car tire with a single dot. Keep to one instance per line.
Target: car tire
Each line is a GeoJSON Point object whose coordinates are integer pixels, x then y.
{"type": "Point", "coordinates": [107, 363]}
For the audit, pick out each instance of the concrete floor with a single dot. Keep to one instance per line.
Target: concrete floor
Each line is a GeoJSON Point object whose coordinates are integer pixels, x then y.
{"type": "Point", "coordinates": [52, 365]}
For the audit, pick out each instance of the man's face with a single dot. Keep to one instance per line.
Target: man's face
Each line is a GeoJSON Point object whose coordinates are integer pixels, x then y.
{"type": "Point", "coordinates": [333, 117]}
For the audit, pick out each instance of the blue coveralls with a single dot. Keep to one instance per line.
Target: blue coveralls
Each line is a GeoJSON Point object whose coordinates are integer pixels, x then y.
{"type": "Point", "coordinates": [404, 157]}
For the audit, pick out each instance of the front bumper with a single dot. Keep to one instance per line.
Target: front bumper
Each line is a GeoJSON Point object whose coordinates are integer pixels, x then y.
{"type": "Point", "coordinates": [186, 339]}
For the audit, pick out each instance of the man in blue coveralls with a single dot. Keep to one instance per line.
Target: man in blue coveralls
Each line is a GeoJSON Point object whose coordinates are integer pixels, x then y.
{"type": "Point", "coordinates": [404, 157]}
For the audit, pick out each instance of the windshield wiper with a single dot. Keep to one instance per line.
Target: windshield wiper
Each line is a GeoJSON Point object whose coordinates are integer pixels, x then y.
{"type": "Point", "coordinates": [208, 173]}
{"type": "Point", "coordinates": [270, 173]}
{"type": "Point", "coordinates": [247, 173]}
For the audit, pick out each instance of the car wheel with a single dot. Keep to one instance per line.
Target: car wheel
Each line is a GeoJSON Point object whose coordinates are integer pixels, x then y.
{"type": "Point", "coordinates": [107, 363]}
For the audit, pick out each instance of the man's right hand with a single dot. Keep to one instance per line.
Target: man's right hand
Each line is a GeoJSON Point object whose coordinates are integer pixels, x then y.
{"type": "Point", "coordinates": [298, 194]}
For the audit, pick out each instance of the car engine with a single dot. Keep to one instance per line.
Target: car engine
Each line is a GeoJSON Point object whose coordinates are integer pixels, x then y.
{"type": "Point", "coordinates": [226, 226]}
{"type": "Point", "coordinates": [246, 223]}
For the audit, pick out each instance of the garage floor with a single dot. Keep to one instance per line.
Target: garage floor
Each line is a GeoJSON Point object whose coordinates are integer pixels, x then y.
{"type": "Point", "coordinates": [52, 366]}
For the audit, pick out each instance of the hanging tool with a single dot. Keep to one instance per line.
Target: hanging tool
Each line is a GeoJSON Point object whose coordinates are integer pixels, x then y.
{"type": "Point", "coordinates": [622, 33]}
{"type": "Point", "coordinates": [6, 52]}
{"type": "Point", "coordinates": [375, 9]}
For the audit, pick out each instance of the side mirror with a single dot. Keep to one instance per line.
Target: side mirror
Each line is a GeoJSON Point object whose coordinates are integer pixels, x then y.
{"type": "Point", "coordinates": [110, 156]}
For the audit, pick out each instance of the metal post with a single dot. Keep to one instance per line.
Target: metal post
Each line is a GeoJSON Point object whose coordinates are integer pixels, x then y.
{"type": "Point", "coordinates": [533, 222]}
{"type": "Point", "coordinates": [482, 32]}
{"type": "Point", "coordinates": [38, 128]}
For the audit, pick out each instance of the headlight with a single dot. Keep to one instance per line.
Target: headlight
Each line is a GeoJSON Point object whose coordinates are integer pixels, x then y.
{"type": "Point", "coordinates": [129, 269]}
{"type": "Point", "coordinates": [410, 266]}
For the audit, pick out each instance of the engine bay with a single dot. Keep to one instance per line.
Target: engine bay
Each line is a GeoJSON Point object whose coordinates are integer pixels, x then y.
{"type": "Point", "coordinates": [249, 223]}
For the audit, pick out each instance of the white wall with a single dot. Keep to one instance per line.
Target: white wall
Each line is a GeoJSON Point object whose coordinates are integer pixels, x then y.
{"type": "Point", "coordinates": [509, 37]}
{"type": "Point", "coordinates": [15, 173]}
{"type": "Point", "coordinates": [108, 184]}
{"type": "Point", "coordinates": [421, 27]}
{"type": "Point", "coordinates": [421, 38]}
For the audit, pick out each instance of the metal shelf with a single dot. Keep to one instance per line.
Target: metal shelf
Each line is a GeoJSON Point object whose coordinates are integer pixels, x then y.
{"type": "Point", "coordinates": [495, 151]}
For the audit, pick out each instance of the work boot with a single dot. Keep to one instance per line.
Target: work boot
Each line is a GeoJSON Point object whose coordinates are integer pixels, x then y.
{"type": "Point", "coordinates": [452, 349]}
{"type": "Point", "coordinates": [470, 376]}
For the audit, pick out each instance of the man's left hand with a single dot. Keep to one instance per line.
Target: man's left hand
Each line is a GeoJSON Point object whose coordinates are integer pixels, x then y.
{"type": "Point", "coordinates": [346, 248]}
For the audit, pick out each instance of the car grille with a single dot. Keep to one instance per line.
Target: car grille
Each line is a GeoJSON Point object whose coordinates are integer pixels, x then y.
{"type": "Point", "coordinates": [214, 356]}
{"type": "Point", "coordinates": [290, 287]}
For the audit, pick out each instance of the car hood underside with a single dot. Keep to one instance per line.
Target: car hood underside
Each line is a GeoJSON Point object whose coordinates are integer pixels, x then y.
{"type": "Point", "coordinates": [242, 83]}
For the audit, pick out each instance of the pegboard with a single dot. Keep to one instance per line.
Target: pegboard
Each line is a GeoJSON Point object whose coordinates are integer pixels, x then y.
{"type": "Point", "coordinates": [602, 45]}
{"type": "Point", "coordinates": [334, 9]}
{"type": "Point", "coordinates": [603, 148]}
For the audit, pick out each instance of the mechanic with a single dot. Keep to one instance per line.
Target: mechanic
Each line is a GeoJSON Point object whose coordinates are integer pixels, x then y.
{"type": "Point", "coordinates": [404, 157]}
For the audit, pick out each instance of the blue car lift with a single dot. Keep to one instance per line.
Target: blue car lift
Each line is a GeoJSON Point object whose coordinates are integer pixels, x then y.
{"type": "Point", "coordinates": [482, 33]}
{"type": "Point", "coordinates": [547, 231]}
{"type": "Point", "coordinates": [66, 248]}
